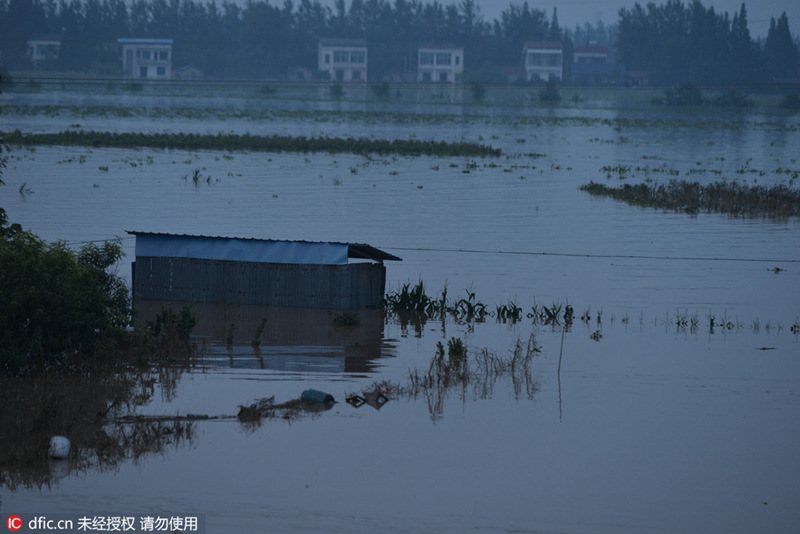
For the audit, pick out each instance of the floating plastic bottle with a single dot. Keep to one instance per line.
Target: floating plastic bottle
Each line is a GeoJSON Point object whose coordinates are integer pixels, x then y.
{"type": "Point", "coordinates": [59, 447]}
{"type": "Point", "coordinates": [315, 395]}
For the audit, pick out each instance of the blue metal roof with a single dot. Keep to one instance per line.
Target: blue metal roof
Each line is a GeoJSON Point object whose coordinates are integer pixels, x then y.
{"type": "Point", "coordinates": [150, 244]}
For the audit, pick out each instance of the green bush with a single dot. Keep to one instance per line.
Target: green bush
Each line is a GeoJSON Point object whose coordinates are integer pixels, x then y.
{"type": "Point", "coordinates": [336, 90]}
{"type": "Point", "coordinates": [550, 95]}
{"type": "Point", "coordinates": [791, 102]}
{"type": "Point", "coordinates": [57, 303]}
{"type": "Point", "coordinates": [380, 90]}
{"type": "Point", "coordinates": [733, 99]}
{"type": "Point", "coordinates": [684, 94]}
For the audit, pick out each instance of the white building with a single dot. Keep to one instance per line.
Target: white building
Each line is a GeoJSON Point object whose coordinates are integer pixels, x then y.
{"type": "Point", "coordinates": [440, 64]}
{"type": "Point", "coordinates": [345, 60]}
{"type": "Point", "coordinates": [44, 50]}
{"type": "Point", "coordinates": [543, 61]}
{"type": "Point", "coordinates": [149, 59]}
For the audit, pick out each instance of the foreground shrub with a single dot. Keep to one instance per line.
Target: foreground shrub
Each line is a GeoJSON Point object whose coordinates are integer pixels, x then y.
{"type": "Point", "coordinates": [550, 95]}
{"type": "Point", "coordinates": [57, 304]}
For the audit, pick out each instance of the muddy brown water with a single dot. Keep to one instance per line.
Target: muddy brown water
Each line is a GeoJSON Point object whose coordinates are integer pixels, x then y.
{"type": "Point", "coordinates": [651, 424]}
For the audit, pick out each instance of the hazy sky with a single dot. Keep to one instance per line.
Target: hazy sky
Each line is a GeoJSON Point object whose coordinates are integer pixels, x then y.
{"type": "Point", "coordinates": [572, 12]}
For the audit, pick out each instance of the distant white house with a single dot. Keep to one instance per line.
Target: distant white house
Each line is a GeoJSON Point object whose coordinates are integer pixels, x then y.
{"type": "Point", "coordinates": [149, 59]}
{"type": "Point", "coordinates": [345, 60]}
{"type": "Point", "coordinates": [440, 64]}
{"type": "Point", "coordinates": [543, 61]}
{"type": "Point", "coordinates": [43, 50]}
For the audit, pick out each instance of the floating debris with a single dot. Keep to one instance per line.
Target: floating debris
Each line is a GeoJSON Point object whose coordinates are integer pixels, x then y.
{"type": "Point", "coordinates": [59, 447]}
{"type": "Point", "coordinates": [315, 395]}
{"type": "Point", "coordinates": [377, 399]}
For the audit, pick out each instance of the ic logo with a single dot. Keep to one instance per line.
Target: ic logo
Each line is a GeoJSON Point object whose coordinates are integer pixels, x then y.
{"type": "Point", "coordinates": [14, 523]}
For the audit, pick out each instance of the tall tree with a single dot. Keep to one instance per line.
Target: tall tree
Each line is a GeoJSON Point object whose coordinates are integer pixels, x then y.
{"type": "Point", "coordinates": [743, 63]}
{"type": "Point", "coordinates": [633, 39]}
{"type": "Point", "coordinates": [22, 18]}
{"type": "Point", "coordinates": [517, 25]}
{"type": "Point", "coordinates": [677, 43]}
{"type": "Point", "coordinates": [598, 34]}
{"type": "Point", "coordinates": [554, 34]}
{"type": "Point", "coordinates": [780, 51]}
{"type": "Point", "coordinates": [71, 21]}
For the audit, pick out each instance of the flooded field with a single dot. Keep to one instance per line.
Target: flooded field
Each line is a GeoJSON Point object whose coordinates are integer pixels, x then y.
{"type": "Point", "coordinates": [669, 404]}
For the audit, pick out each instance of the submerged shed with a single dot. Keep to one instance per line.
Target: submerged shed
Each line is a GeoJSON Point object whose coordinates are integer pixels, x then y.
{"type": "Point", "coordinates": [266, 272]}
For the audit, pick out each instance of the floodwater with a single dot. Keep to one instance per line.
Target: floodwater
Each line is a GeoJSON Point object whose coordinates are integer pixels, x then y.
{"type": "Point", "coordinates": [643, 418]}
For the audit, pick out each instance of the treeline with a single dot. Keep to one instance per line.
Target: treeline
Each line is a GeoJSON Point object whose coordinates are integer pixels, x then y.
{"type": "Point", "coordinates": [672, 42]}
{"type": "Point", "coordinates": [261, 40]}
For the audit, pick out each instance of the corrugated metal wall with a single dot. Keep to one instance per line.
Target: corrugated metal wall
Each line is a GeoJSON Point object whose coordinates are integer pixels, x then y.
{"type": "Point", "coordinates": [356, 285]}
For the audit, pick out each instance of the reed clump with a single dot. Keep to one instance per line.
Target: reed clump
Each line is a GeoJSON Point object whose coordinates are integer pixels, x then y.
{"type": "Point", "coordinates": [408, 299]}
{"type": "Point", "coordinates": [415, 300]}
{"type": "Point", "coordinates": [739, 200]}
{"type": "Point", "coordinates": [255, 143]}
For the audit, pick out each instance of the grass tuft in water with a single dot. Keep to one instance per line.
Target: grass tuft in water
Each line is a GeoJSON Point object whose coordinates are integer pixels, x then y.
{"type": "Point", "coordinates": [408, 298]}
{"type": "Point", "coordinates": [509, 312]}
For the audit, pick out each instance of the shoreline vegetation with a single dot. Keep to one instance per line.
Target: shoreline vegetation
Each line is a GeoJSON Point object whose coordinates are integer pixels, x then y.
{"type": "Point", "coordinates": [254, 143]}
{"type": "Point", "coordinates": [739, 200]}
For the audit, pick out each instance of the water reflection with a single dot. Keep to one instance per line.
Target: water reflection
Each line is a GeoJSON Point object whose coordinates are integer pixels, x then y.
{"type": "Point", "coordinates": [283, 339]}
{"type": "Point", "coordinates": [87, 409]}
{"type": "Point", "coordinates": [469, 376]}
